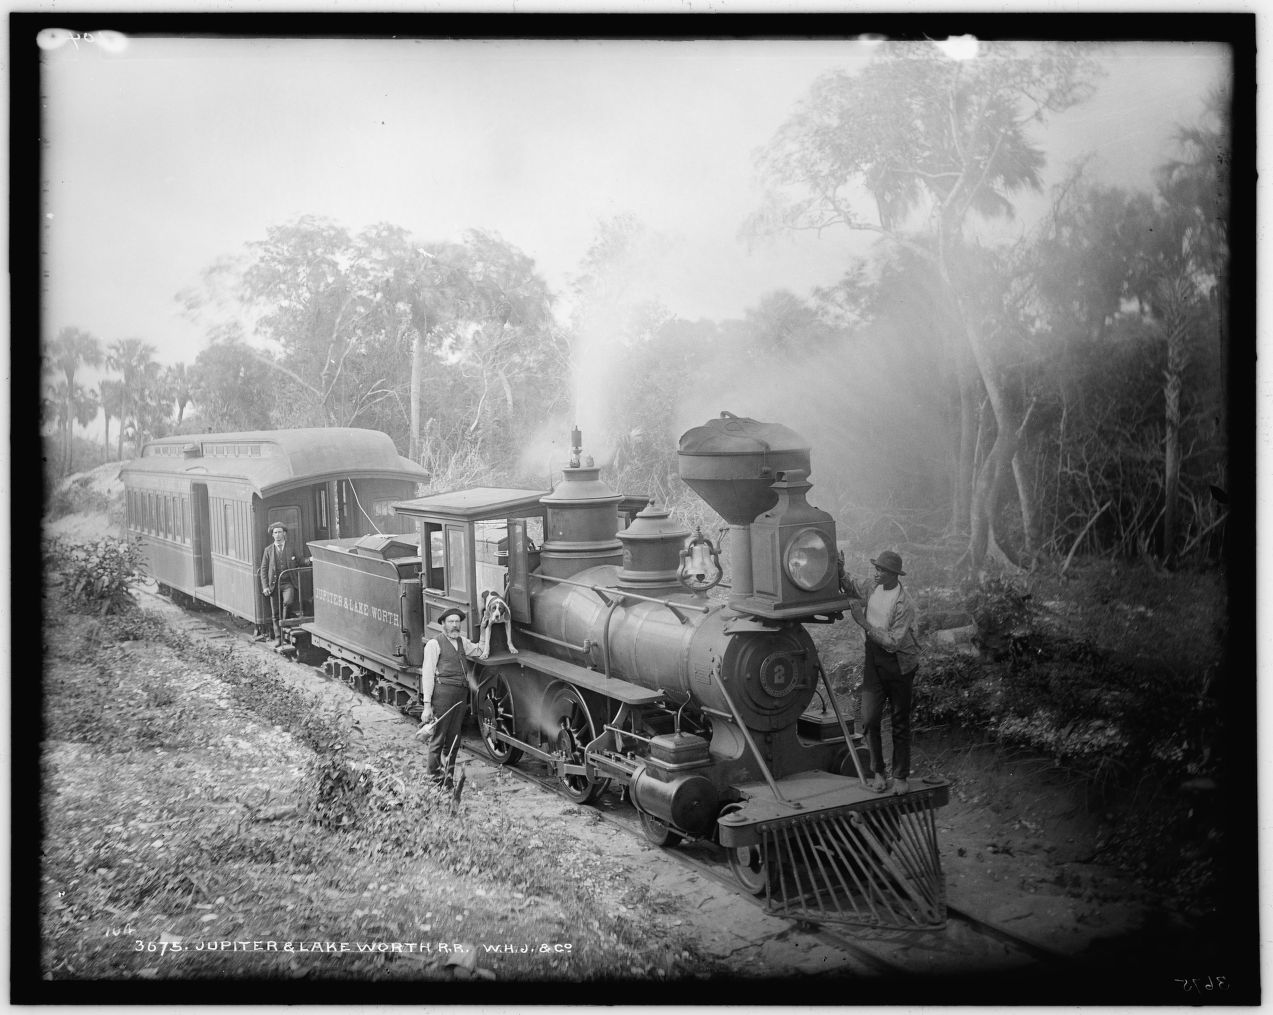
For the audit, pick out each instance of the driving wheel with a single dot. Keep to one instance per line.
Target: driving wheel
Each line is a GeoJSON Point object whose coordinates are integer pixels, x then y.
{"type": "Point", "coordinates": [495, 715]}
{"type": "Point", "coordinates": [569, 715]}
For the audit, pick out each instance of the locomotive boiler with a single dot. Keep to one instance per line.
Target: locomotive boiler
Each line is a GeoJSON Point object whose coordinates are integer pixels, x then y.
{"type": "Point", "coordinates": [628, 667]}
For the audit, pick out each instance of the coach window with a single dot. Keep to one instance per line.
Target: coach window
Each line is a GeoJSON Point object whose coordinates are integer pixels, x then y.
{"type": "Point", "coordinates": [320, 512]}
{"type": "Point", "coordinates": [342, 508]}
{"type": "Point", "coordinates": [291, 517]}
{"type": "Point", "coordinates": [229, 532]}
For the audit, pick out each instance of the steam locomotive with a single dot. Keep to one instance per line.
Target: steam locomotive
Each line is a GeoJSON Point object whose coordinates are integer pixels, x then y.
{"type": "Point", "coordinates": [628, 668]}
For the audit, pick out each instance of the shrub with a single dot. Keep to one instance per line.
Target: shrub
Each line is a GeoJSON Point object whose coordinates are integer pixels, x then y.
{"type": "Point", "coordinates": [1092, 709]}
{"type": "Point", "coordinates": [1006, 617]}
{"type": "Point", "coordinates": [97, 576]}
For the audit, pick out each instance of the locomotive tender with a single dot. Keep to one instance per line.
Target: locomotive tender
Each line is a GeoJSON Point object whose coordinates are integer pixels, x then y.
{"type": "Point", "coordinates": [627, 673]}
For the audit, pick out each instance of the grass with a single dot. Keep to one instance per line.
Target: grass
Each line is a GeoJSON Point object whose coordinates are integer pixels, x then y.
{"type": "Point", "coordinates": [193, 802]}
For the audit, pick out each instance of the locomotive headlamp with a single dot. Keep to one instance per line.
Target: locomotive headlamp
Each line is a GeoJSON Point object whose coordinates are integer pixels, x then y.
{"type": "Point", "coordinates": [809, 559]}
{"type": "Point", "coordinates": [793, 556]}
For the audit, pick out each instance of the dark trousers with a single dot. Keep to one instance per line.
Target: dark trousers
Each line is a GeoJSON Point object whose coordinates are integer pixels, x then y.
{"type": "Point", "coordinates": [445, 696]}
{"type": "Point", "coordinates": [882, 681]}
{"type": "Point", "coordinates": [288, 594]}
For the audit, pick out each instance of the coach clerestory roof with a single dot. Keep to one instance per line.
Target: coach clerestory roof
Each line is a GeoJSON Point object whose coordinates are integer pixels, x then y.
{"type": "Point", "coordinates": [273, 460]}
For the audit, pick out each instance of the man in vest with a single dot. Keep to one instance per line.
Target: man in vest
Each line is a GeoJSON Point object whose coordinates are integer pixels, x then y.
{"type": "Point", "coordinates": [888, 673]}
{"type": "Point", "coordinates": [279, 579]}
{"type": "Point", "coordinates": [444, 680]}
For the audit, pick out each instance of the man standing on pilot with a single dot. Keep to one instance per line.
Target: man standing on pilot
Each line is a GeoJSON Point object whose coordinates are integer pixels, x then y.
{"type": "Point", "coordinates": [445, 678]}
{"type": "Point", "coordinates": [888, 674]}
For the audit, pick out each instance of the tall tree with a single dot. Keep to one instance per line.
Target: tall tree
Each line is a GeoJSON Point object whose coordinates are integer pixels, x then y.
{"type": "Point", "coordinates": [232, 388]}
{"type": "Point", "coordinates": [79, 405]}
{"type": "Point", "coordinates": [1194, 275]}
{"type": "Point", "coordinates": [69, 351]}
{"type": "Point", "coordinates": [918, 132]}
{"type": "Point", "coordinates": [176, 382]}
{"type": "Point", "coordinates": [112, 395]}
{"type": "Point", "coordinates": [134, 360]}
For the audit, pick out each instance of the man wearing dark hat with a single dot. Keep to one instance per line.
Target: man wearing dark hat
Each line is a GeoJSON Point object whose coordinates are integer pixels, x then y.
{"type": "Point", "coordinates": [892, 658]}
{"type": "Point", "coordinates": [444, 677]}
{"type": "Point", "coordinates": [278, 577]}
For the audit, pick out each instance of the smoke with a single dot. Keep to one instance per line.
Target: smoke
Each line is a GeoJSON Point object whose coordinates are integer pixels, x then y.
{"type": "Point", "coordinates": [615, 304]}
{"type": "Point", "coordinates": [871, 405]}
{"type": "Point", "coordinates": [545, 452]}
{"type": "Point", "coordinates": [872, 402]}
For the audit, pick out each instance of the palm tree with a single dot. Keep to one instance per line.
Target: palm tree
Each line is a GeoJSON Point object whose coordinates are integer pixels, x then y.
{"type": "Point", "coordinates": [71, 350]}
{"type": "Point", "coordinates": [177, 383]}
{"type": "Point", "coordinates": [112, 393]}
{"type": "Point", "coordinates": [132, 358]}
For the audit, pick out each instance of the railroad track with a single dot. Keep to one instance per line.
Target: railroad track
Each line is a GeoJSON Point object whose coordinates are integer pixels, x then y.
{"type": "Point", "coordinates": [970, 940]}
{"type": "Point", "coordinates": [965, 942]}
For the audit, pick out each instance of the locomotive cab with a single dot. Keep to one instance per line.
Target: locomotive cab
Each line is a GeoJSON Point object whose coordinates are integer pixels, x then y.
{"type": "Point", "coordinates": [471, 541]}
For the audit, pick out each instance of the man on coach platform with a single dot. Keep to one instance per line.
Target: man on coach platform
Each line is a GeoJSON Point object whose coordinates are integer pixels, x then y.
{"type": "Point", "coordinates": [280, 577]}
{"type": "Point", "coordinates": [444, 680]}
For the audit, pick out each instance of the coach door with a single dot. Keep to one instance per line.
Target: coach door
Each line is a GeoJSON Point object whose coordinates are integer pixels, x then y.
{"type": "Point", "coordinates": [201, 537]}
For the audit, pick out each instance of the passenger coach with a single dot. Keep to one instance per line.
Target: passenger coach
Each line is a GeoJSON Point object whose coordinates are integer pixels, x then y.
{"type": "Point", "coordinates": [201, 504]}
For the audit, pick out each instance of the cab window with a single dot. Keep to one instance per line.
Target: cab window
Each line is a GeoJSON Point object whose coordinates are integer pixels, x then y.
{"type": "Point", "coordinates": [456, 562]}
{"type": "Point", "coordinates": [433, 550]}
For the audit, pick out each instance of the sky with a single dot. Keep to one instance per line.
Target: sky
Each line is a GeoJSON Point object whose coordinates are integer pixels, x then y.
{"type": "Point", "coordinates": [163, 155]}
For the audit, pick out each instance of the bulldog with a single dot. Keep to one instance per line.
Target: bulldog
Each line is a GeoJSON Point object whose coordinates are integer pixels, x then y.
{"type": "Point", "coordinates": [495, 611]}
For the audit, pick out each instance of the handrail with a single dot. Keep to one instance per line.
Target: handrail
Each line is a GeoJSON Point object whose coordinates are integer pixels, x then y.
{"type": "Point", "coordinates": [848, 740]}
{"type": "Point", "coordinates": [300, 590]}
{"type": "Point", "coordinates": [603, 591]}
{"type": "Point", "coordinates": [554, 641]}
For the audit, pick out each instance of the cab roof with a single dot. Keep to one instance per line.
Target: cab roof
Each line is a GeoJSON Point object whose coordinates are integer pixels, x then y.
{"type": "Point", "coordinates": [273, 460]}
{"type": "Point", "coordinates": [475, 504]}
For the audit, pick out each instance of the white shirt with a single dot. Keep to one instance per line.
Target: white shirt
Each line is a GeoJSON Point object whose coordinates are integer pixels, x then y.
{"type": "Point", "coordinates": [429, 665]}
{"type": "Point", "coordinates": [879, 608]}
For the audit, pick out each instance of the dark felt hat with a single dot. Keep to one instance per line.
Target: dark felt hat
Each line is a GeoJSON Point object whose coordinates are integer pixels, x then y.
{"type": "Point", "coordinates": [453, 612]}
{"type": "Point", "coordinates": [889, 561]}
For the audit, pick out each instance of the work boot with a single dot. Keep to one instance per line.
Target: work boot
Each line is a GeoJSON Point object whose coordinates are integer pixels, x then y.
{"type": "Point", "coordinates": [278, 635]}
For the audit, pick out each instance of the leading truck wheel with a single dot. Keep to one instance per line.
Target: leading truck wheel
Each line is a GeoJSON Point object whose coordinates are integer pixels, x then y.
{"type": "Point", "coordinates": [750, 869]}
{"type": "Point", "coordinates": [570, 716]}
{"type": "Point", "coordinates": [749, 866]}
{"type": "Point", "coordinates": [495, 714]}
{"type": "Point", "coordinates": [659, 832]}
